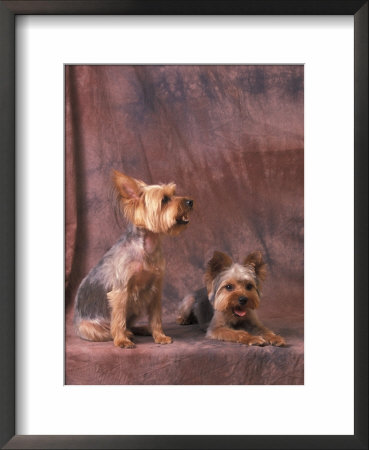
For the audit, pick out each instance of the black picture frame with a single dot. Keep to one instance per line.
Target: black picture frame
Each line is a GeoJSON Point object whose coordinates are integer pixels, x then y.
{"type": "Point", "coordinates": [8, 12]}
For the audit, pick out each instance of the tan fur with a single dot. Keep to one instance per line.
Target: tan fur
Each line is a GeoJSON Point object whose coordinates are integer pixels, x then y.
{"type": "Point", "coordinates": [134, 270]}
{"type": "Point", "coordinates": [142, 204]}
{"type": "Point", "coordinates": [94, 331]}
{"type": "Point", "coordinates": [227, 282]}
{"type": "Point", "coordinates": [184, 310]}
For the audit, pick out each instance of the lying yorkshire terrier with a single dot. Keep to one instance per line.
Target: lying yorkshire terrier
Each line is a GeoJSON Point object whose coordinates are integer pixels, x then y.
{"type": "Point", "coordinates": [226, 308]}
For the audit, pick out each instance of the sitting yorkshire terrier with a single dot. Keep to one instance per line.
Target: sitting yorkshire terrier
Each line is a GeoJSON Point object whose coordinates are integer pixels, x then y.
{"type": "Point", "coordinates": [127, 282]}
{"type": "Point", "coordinates": [226, 308]}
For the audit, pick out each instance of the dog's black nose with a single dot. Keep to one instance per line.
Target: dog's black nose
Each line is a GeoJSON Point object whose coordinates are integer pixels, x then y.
{"type": "Point", "coordinates": [242, 300]}
{"type": "Point", "coordinates": [189, 203]}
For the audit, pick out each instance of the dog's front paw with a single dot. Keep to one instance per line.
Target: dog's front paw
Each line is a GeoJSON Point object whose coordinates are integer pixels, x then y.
{"type": "Point", "coordinates": [251, 340]}
{"type": "Point", "coordinates": [123, 342]}
{"type": "Point", "coordinates": [162, 339]}
{"type": "Point", "coordinates": [275, 339]}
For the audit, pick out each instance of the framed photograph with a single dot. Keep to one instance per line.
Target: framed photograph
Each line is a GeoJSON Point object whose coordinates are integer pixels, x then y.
{"type": "Point", "coordinates": [240, 131]}
{"type": "Point", "coordinates": [156, 125]}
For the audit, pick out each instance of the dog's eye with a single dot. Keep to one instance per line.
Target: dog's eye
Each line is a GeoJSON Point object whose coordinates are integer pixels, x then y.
{"type": "Point", "coordinates": [165, 200]}
{"type": "Point", "coordinates": [249, 286]}
{"type": "Point", "coordinates": [229, 287]}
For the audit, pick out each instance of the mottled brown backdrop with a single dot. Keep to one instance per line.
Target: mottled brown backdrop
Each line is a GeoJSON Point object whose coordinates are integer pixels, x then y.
{"type": "Point", "coordinates": [231, 137]}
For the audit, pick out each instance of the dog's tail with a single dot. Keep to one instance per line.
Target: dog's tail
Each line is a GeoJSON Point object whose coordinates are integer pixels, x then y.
{"type": "Point", "coordinates": [185, 315]}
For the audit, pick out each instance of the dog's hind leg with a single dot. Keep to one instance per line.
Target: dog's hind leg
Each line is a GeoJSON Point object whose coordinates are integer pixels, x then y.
{"type": "Point", "coordinates": [185, 314]}
{"type": "Point", "coordinates": [94, 330]}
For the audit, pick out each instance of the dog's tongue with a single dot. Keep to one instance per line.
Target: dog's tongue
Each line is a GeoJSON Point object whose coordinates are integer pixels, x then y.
{"type": "Point", "coordinates": [240, 312]}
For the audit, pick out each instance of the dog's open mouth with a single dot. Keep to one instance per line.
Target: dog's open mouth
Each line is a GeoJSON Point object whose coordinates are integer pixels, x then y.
{"type": "Point", "coordinates": [239, 312]}
{"type": "Point", "coordinates": [183, 220]}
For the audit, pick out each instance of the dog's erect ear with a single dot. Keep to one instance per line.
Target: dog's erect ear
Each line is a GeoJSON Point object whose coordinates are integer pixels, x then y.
{"type": "Point", "coordinates": [218, 263]}
{"type": "Point", "coordinates": [127, 187]}
{"type": "Point", "coordinates": [255, 260]}
{"type": "Point", "coordinates": [215, 265]}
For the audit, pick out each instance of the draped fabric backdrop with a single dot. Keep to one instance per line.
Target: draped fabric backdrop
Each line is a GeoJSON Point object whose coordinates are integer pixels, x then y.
{"type": "Point", "coordinates": [232, 138]}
